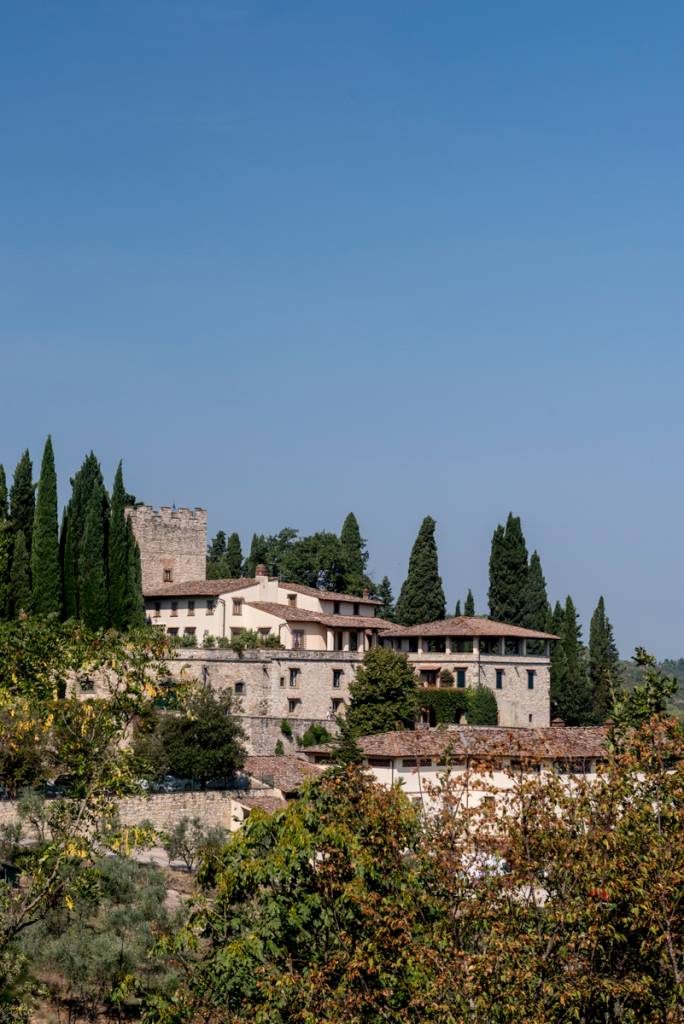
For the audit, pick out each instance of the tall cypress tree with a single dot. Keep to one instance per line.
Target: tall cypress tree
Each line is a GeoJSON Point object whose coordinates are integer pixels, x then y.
{"type": "Point", "coordinates": [469, 604]}
{"type": "Point", "coordinates": [93, 598]}
{"type": "Point", "coordinates": [46, 584]}
{"type": "Point", "coordinates": [457, 609]}
{"type": "Point", "coordinates": [233, 557]}
{"type": "Point", "coordinates": [354, 554]}
{"type": "Point", "coordinates": [384, 594]}
{"type": "Point", "coordinates": [126, 607]}
{"type": "Point", "coordinates": [422, 595]}
{"type": "Point", "coordinates": [604, 663]}
{"type": "Point", "coordinates": [570, 689]}
{"type": "Point", "coordinates": [536, 602]}
{"type": "Point", "coordinates": [4, 509]}
{"type": "Point", "coordinates": [496, 595]}
{"type": "Point", "coordinates": [23, 499]}
{"type": "Point", "coordinates": [216, 553]}
{"type": "Point", "coordinates": [258, 554]}
{"type": "Point", "coordinates": [5, 547]}
{"type": "Point", "coordinates": [20, 578]}
{"type": "Point", "coordinates": [508, 573]}
{"type": "Point", "coordinates": [87, 480]}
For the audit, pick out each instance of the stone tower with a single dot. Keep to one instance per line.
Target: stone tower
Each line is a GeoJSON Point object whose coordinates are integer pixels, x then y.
{"type": "Point", "coordinates": [172, 542]}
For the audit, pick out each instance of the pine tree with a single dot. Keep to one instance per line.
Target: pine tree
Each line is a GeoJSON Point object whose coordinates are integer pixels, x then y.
{"type": "Point", "coordinates": [384, 594]}
{"type": "Point", "coordinates": [604, 663]}
{"type": "Point", "coordinates": [354, 554]}
{"type": "Point", "coordinates": [23, 499]}
{"type": "Point", "coordinates": [20, 578]}
{"type": "Point", "coordinates": [469, 605]}
{"type": "Point", "coordinates": [536, 603]}
{"type": "Point", "coordinates": [422, 595]}
{"type": "Point", "coordinates": [46, 583]}
{"type": "Point", "coordinates": [94, 610]}
{"type": "Point", "coordinates": [126, 607]}
{"type": "Point", "coordinates": [233, 557]}
{"type": "Point", "coordinates": [457, 609]}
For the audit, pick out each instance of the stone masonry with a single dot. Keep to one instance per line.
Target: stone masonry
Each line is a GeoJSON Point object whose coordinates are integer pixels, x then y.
{"type": "Point", "coordinates": [172, 542]}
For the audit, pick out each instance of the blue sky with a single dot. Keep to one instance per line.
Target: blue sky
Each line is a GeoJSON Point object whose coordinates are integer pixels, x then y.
{"type": "Point", "coordinates": [402, 258]}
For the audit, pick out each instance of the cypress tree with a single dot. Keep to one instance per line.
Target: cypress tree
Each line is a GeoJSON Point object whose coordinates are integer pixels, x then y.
{"type": "Point", "coordinates": [5, 547]}
{"type": "Point", "coordinates": [233, 557]}
{"type": "Point", "coordinates": [570, 690]}
{"type": "Point", "coordinates": [604, 663]}
{"type": "Point", "coordinates": [258, 554]}
{"type": "Point", "coordinates": [69, 562]}
{"type": "Point", "coordinates": [126, 606]}
{"type": "Point", "coordinates": [508, 573]}
{"type": "Point", "coordinates": [215, 554]}
{"type": "Point", "coordinates": [496, 575]}
{"type": "Point", "coordinates": [457, 609]}
{"type": "Point", "coordinates": [384, 594]}
{"type": "Point", "coordinates": [87, 480]}
{"type": "Point", "coordinates": [46, 584]}
{"type": "Point", "coordinates": [93, 600]}
{"type": "Point", "coordinates": [422, 596]}
{"type": "Point", "coordinates": [23, 500]}
{"type": "Point", "coordinates": [536, 603]}
{"type": "Point", "coordinates": [354, 554]}
{"type": "Point", "coordinates": [4, 510]}
{"type": "Point", "coordinates": [20, 578]}
{"type": "Point", "coordinates": [469, 605]}
{"type": "Point", "coordinates": [134, 609]}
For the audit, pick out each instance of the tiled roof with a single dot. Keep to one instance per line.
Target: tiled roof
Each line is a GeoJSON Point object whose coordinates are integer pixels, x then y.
{"type": "Point", "coordinates": [198, 588]}
{"type": "Point", "coordinates": [326, 595]}
{"type": "Point", "coordinates": [286, 773]}
{"type": "Point", "coordinates": [550, 742]}
{"type": "Point", "coordinates": [266, 803]}
{"type": "Point", "coordinates": [290, 614]}
{"type": "Point", "coordinates": [462, 625]}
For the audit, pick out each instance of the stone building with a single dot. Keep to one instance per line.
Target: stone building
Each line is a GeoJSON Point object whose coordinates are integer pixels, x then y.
{"type": "Point", "coordinates": [172, 542]}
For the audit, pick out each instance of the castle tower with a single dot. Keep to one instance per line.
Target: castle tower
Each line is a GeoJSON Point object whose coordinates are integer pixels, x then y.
{"type": "Point", "coordinates": [172, 542]}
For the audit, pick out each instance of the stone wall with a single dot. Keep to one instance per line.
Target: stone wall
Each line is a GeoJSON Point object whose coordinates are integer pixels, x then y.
{"type": "Point", "coordinates": [173, 539]}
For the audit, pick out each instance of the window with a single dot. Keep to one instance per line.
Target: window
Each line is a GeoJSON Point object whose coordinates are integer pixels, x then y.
{"type": "Point", "coordinates": [292, 600]}
{"type": "Point", "coordinates": [529, 719]}
{"type": "Point", "coordinates": [337, 678]}
{"type": "Point", "coordinates": [490, 645]}
{"type": "Point", "coordinates": [413, 644]}
{"type": "Point", "coordinates": [297, 639]}
{"type": "Point", "coordinates": [172, 630]}
{"type": "Point", "coordinates": [336, 705]}
{"type": "Point", "coordinates": [530, 678]}
{"type": "Point", "coordinates": [428, 676]}
{"type": "Point", "coordinates": [282, 680]}
{"type": "Point", "coordinates": [191, 607]}
{"type": "Point", "coordinates": [210, 605]}
{"type": "Point", "coordinates": [157, 609]}
{"type": "Point", "coordinates": [264, 632]}
{"type": "Point", "coordinates": [174, 607]}
{"type": "Point", "coordinates": [511, 646]}
{"type": "Point", "coordinates": [339, 641]}
{"type": "Point", "coordinates": [168, 576]}
{"type": "Point", "coordinates": [336, 607]}
{"type": "Point", "coordinates": [379, 762]}
{"type": "Point", "coordinates": [461, 645]}
{"type": "Point", "coordinates": [294, 676]}
{"type": "Point", "coordinates": [353, 641]}
{"type": "Point", "coordinates": [356, 608]}
{"type": "Point", "coordinates": [460, 678]}
{"type": "Point", "coordinates": [237, 606]}
{"type": "Point", "coordinates": [236, 630]}
{"type": "Point", "coordinates": [499, 678]}
{"type": "Point", "coordinates": [416, 762]}
{"type": "Point", "coordinates": [240, 688]}
{"type": "Point", "coordinates": [292, 704]}
{"type": "Point", "coordinates": [189, 631]}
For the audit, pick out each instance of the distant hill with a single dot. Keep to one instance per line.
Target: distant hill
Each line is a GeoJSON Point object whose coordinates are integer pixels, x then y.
{"type": "Point", "coordinates": [670, 666]}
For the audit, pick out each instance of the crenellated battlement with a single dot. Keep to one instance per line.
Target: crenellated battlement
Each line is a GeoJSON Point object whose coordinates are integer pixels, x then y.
{"type": "Point", "coordinates": [172, 542]}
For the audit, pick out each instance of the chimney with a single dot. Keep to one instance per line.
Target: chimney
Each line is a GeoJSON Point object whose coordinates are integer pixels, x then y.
{"type": "Point", "coordinates": [558, 723]}
{"type": "Point", "coordinates": [366, 593]}
{"type": "Point", "coordinates": [260, 571]}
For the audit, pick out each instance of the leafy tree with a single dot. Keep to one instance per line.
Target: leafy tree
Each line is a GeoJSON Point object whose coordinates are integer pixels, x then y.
{"type": "Point", "coordinates": [45, 569]}
{"type": "Point", "coordinates": [384, 593]}
{"type": "Point", "coordinates": [315, 561]}
{"type": "Point", "coordinates": [384, 694]}
{"type": "Point", "coordinates": [469, 604]}
{"type": "Point", "coordinates": [20, 577]}
{"type": "Point", "coordinates": [422, 595]}
{"type": "Point", "coordinates": [126, 605]}
{"type": "Point", "coordinates": [345, 748]}
{"type": "Point", "coordinates": [482, 706]}
{"type": "Point", "coordinates": [604, 662]}
{"type": "Point", "coordinates": [355, 556]}
{"type": "Point", "coordinates": [23, 499]}
{"type": "Point", "coordinates": [190, 839]}
{"type": "Point", "coordinates": [93, 597]}
{"type": "Point", "coordinates": [314, 735]}
{"type": "Point", "coordinates": [631, 709]}
{"type": "Point", "coordinates": [202, 741]}
{"type": "Point", "coordinates": [508, 573]}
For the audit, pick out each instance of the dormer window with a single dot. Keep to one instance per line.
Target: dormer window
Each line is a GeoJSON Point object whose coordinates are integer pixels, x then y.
{"type": "Point", "coordinates": [292, 600]}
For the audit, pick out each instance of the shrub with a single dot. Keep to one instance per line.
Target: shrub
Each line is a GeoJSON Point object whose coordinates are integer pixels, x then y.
{"type": "Point", "coordinates": [190, 839]}
{"type": "Point", "coordinates": [482, 707]}
{"type": "Point", "coordinates": [187, 640]}
{"type": "Point", "coordinates": [279, 749]}
{"type": "Point", "coordinates": [315, 734]}
{"type": "Point", "coordinates": [446, 678]}
{"type": "Point", "coordinates": [209, 642]}
{"type": "Point", "coordinates": [286, 728]}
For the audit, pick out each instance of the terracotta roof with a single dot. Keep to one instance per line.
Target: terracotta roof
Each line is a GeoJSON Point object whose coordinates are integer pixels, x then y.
{"type": "Point", "coordinates": [286, 773]}
{"type": "Point", "coordinates": [198, 588]}
{"type": "Point", "coordinates": [550, 742]}
{"type": "Point", "coordinates": [462, 625]}
{"type": "Point", "coordinates": [285, 611]}
{"type": "Point", "coordinates": [326, 595]}
{"type": "Point", "coordinates": [266, 803]}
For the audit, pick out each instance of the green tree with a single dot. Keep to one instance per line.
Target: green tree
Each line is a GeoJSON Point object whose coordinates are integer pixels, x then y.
{"type": "Point", "coordinates": [315, 561]}
{"type": "Point", "coordinates": [422, 596]}
{"type": "Point", "coordinates": [20, 578]}
{"type": "Point", "coordinates": [224, 557]}
{"type": "Point", "coordinates": [631, 709]}
{"type": "Point", "coordinates": [469, 605]}
{"type": "Point", "coordinates": [258, 554]}
{"type": "Point", "coordinates": [604, 663]}
{"type": "Point", "coordinates": [508, 573]}
{"type": "Point", "coordinates": [87, 480]}
{"type": "Point", "coordinates": [384, 594]}
{"type": "Point", "coordinates": [536, 602]}
{"type": "Point", "coordinates": [4, 507]}
{"type": "Point", "coordinates": [457, 609]}
{"type": "Point", "coordinates": [355, 556]}
{"type": "Point", "coordinates": [570, 688]}
{"type": "Point", "coordinates": [5, 548]}
{"type": "Point", "coordinates": [126, 605]}
{"type": "Point", "coordinates": [482, 706]}
{"type": "Point", "coordinates": [233, 559]}
{"type": "Point", "coordinates": [23, 499]}
{"type": "Point", "coordinates": [45, 570]}
{"type": "Point", "coordinates": [202, 741]}
{"type": "Point", "coordinates": [384, 695]}
{"type": "Point", "coordinates": [93, 596]}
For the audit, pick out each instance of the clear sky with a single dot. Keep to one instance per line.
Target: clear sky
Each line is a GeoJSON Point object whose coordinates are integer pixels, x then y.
{"type": "Point", "coordinates": [292, 259]}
